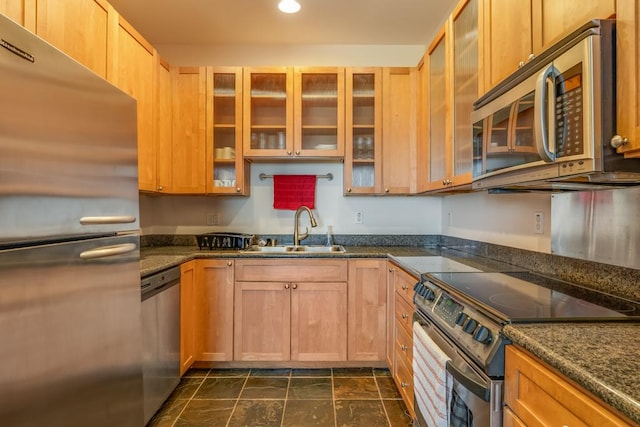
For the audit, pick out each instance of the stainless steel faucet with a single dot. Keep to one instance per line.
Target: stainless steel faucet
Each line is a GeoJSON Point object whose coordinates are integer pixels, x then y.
{"type": "Point", "coordinates": [296, 234]}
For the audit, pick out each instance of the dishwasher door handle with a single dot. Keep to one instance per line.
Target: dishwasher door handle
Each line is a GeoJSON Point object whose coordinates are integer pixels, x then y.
{"type": "Point", "coordinates": [107, 251]}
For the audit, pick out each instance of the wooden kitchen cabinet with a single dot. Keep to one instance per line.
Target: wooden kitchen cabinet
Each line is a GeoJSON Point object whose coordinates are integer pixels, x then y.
{"type": "Point", "coordinates": [188, 348]}
{"type": "Point", "coordinates": [363, 150]}
{"type": "Point", "coordinates": [268, 112]}
{"type": "Point", "coordinates": [318, 112]}
{"type": "Point", "coordinates": [537, 395]}
{"type": "Point", "coordinates": [226, 170]}
{"type": "Point", "coordinates": [399, 130]}
{"type": "Point", "coordinates": [367, 309]}
{"type": "Point", "coordinates": [402, 317]}
{"type": "Point", "coordinates": [506, 38]}
{"type": "Point", "coordinates": [80, 28]}
{"type": "Point", "coordinates": [133, 70]}
{"type": "Point", "coordinates": [391, 323]}
{"type": "Point", "coordinates": [290, 310]}
{"type": "Point", "coordinates": [553, 19]}
{"type": "Point", "coordinates": [163, 147]}
{"type": "Point", "coordinates": [451, 88]}
{"type": "Point", "coordinates": [214, 292]}
{"type": "Point", "coordinates": [188, 131]}
{"type": "Point", "coordinates": [20, 11]}
{"type": "Point", "coordinates": [628, 78]}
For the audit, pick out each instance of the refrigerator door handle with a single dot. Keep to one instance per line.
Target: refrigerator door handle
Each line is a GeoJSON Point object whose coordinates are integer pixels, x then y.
{"type": "Point", "coordinates": [97, 220]}
{"type": "Point", "coordinates": [108, 251]}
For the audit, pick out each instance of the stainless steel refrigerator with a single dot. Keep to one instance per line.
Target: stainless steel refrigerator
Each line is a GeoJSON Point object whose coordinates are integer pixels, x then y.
{"type": "Point", "coordinates": [70, 352]}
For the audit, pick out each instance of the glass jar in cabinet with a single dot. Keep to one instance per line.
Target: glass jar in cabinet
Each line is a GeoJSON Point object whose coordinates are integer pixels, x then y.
{"type": "Point", "coordinates": [319, 112]}
{"type": "Point", "coordinates": [225, 163]}
{"type": "Point", "coordinates": [268, 112]}
{"type": "Point", "coordinates": [362, 160]}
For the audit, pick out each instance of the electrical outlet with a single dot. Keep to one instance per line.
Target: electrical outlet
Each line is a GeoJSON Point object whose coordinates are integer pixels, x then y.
{"type": "Point", "coordinates": [538, 226]}
{"type": "Point", "coordinates": [212, 219]}
{"type": "Point", "coordinates": [358, 217]}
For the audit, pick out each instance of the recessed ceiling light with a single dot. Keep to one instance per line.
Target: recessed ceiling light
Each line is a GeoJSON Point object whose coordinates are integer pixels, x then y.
{"type": "Point", "coordinates": [289, 6]}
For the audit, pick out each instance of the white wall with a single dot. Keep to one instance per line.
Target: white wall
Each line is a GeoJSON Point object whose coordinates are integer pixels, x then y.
{"type": "Point", "coordinates": [503, 219]}
{"type": "Point", "coordinates": [255, 214]}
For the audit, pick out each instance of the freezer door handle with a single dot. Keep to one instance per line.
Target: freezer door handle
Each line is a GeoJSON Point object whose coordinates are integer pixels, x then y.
{"type": "Point", "coordinates": [107, 251]}
{"type": "Point", "coordinates": [97, 220]}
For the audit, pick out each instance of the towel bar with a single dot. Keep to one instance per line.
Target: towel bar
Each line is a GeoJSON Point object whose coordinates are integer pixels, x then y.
{"type": "Point", "coordinates": [328, 176]}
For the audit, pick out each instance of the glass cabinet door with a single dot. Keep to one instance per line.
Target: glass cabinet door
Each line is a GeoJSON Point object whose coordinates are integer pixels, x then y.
{"type": "Point", "coordinates": [362, 167]}
{"type": "Point", "coordinates": [437, 112]}
{"type": "Point", "coordinates": [224, 130]}
{"type": "Point", "coordinates": [268, 112]}
{"type": "Point", "coordinates": [319, 112]}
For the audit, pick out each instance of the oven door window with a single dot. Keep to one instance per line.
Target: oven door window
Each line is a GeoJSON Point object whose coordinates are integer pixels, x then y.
{"type": "Point", "coordinates": [460, 414]}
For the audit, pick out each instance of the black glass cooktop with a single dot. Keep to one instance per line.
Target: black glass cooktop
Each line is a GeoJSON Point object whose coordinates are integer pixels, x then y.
{"type": "Point", "coordinates": [519, 297]}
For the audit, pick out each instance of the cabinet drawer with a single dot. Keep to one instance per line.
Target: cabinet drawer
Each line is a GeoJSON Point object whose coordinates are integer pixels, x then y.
{"type": "Point", "coordinates": [404, 344]}
{"type": "Point", "coordinates": [404, 283]}
{"type": "Point", "coordinates": [291, 270]}
{"type": "Point", "coordinates": [404, 380]}
{"type": "Point", "coordinates": [404, 315]}
{"type": "Point", "coordinates": [538, 395]}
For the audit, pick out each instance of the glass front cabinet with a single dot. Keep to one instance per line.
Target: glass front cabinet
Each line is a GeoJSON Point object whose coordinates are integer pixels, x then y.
{"type": "Point", "coordinates": [362, 158]}
{"type": "Point", "coordinates": [225, 163]}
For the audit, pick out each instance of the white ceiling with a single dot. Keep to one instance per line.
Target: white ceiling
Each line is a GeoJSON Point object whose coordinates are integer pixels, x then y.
{"type": "Point", "coordinates": [226, 24]}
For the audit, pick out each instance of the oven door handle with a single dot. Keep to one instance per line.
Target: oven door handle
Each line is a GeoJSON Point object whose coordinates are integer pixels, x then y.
{"type": "Point", "coordinates": [474, 387]}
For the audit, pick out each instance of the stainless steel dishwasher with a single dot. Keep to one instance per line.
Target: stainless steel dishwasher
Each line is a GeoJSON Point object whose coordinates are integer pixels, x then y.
{"type": "Point", "coordinates": [160, 338]}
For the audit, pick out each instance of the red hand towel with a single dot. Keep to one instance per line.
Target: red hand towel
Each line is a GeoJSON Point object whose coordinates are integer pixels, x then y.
{"type": "Point", "coordinates": [292, 191]}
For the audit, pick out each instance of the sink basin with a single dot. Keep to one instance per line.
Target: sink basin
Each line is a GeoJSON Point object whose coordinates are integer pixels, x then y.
{"type": "Point", "coordinates": [302, 249]}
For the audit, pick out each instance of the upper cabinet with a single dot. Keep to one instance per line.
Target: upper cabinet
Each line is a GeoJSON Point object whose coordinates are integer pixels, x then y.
{"type": "Point", "coordinates": [21, 11]}
{"type": "Point", "coordinates": [189, 130]}
{"type": "Point", "coordinates": [293, 112]}
{"type": "Point", "coordinates": [268, 112]}
{"type": "Point", "coordinates": [553, 19]}
{"type": "Point", "coordinates": [133, 70]}
{"type": "Point", "coordinates": [80, 28]}
{"type": "Point", "coordinates": [514, 31]}
{"type": "Point", "coordinates": [225, 166]}
{"type": "Point", "coordinates": [318, 112]}
{"type": "Point", "coordinates": [399, 115]}
{"type": "Point", "coordinates": [163, 126]}
{"type": "Point", "coordinates": [506, 35]}
{"type": "Point", "coordinates": [628, 79]}
{"type": "Point", "coordinates": [451, 88]}
{"type": "Point", "coordinates": [363, 152]}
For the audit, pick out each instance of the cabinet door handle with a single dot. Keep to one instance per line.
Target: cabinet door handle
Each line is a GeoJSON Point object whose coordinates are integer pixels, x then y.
{"type": "Point", "coordinates": [229, 263]}
{"type": "Point", "coordinates": [238, 189]}
{"type": "Point", "coordinates": [403, 347]}
{"type": "Point", "coordinates": [295, 286]}
{"type": "Point", "coordinates": [405, 287]}
{"type": "Point", "coordinates": [403, 384]}
{"type": "Point", "coordinates": [159, 188]}
{"type": "Point", "coordinates": [348, 190]}
{"type": "Point", "coordinates": [391, 270]}
{"type": "Point", "coordinates": [405, 315]}
{"type": "Point", "coordinates": [297, 152]}
{"type": "Point", "coordinates": [288, 152]}
{"type": "Point", "coordinates": [386, 190]}
{"type": "Point", "coordinates": [286, 286]}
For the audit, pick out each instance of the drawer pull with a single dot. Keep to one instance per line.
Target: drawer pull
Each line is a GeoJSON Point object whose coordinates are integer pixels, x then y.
{"type": "Point", "coordinates": [405, 316]}
{"type": "Point", "coordinates": [286, 286]}
{"type": "Point", "coordinates": [403, 384]}
{"type": "Point", "coordinates": [405, 287]}
{"type": "Point", "coordinates": [403, 347]}
{"type": "Point", "coordinates": [295, 286]}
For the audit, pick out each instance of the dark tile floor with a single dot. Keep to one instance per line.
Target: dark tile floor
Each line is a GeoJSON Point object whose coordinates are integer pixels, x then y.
{"type": "Point", "coordinates": [284, 397]}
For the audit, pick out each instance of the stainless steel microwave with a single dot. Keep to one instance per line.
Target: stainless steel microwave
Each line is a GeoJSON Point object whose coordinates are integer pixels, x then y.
{"type": "Point", "coordinates": [550, 124]}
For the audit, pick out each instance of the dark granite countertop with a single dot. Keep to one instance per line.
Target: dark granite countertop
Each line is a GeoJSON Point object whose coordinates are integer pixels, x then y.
{"type": "Point", "coordinates": [601, 357]}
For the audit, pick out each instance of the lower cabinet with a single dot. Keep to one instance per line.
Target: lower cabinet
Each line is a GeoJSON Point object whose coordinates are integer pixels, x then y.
{"type": "Point", "coordinates": [536, 395]}
{"type": "Point", "coordinates": [400, 358]}
{"type": "Point", "coordinates": [214, 309]}
{"type": "Point", "coordinates": [290, 310]}
{"type": "Point", "coordinates": [367, 309]}
{"type": "Point", "coordinates": [187, 315]}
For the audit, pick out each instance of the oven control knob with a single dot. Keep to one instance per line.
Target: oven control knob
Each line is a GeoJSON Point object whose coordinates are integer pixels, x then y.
{"type": "Point", "coordinates": [470, 325]}
{"type": "Point", "coordinates": [429, 295]}
{"type": "Point", "coordinates": [417, 286]}
{"type": "Point", "coordinates": [462, 317]}
{"type": "Point", "coordinates": [483, 335]}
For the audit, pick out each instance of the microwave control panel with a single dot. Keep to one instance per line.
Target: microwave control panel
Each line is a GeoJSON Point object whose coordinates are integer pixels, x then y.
{"type": "Point", "coordinates": [569, 112]}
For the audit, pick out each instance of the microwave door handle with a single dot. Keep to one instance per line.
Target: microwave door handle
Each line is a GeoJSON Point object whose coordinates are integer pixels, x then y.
{"type": "Point", "coordinates": [544, 116]}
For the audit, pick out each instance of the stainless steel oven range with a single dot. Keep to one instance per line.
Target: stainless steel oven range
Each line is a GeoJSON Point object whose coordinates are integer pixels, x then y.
{"type": "Point", "coordinates": [458, 323]}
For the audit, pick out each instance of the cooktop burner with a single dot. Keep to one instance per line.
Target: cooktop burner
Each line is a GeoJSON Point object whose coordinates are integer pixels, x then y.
{"type": "Point", "coordinates": [526, 297]}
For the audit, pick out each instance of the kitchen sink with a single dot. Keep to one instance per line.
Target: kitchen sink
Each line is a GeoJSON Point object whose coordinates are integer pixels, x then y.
{"type": "Point", "coordinates": [302, 249]}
